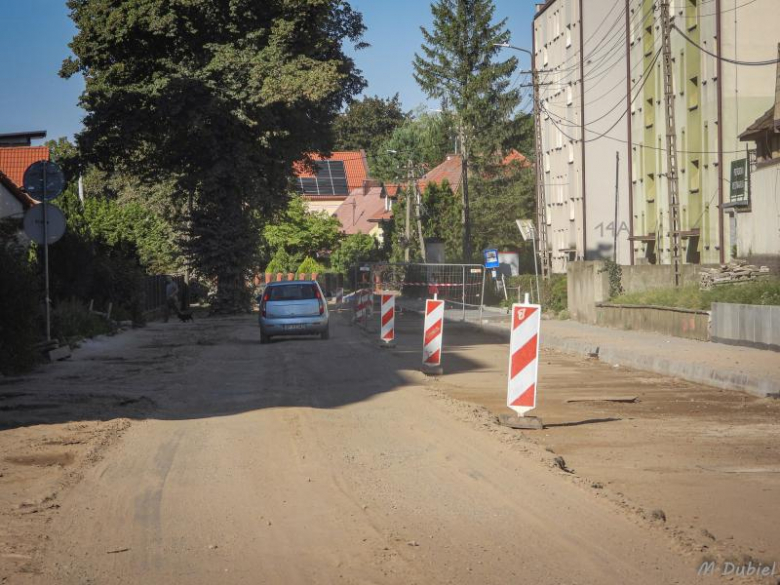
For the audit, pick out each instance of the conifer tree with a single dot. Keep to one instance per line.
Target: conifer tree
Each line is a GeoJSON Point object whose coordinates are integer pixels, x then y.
{"type": "Point", "coordinates": [459, 67]}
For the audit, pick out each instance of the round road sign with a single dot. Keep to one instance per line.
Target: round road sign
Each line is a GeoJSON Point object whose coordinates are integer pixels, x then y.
{"type": "Point", "coordinates": [34, 180]}
{"type": "Point", "coordinates": [33, 223]}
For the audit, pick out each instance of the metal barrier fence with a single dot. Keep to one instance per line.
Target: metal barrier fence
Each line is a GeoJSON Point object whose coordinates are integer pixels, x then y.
{"type": "Point", "coordinates": [461, 286]}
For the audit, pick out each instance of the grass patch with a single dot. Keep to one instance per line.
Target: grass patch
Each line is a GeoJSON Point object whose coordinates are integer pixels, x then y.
{"type": "Point", "coordinates": [762, 292]}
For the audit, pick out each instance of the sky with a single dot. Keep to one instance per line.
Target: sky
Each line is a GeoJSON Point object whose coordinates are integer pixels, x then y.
{"type": "Point", "coordinates": [34, 37]}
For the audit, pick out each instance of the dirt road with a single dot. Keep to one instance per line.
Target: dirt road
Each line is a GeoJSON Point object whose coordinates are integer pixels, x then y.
{"type": "Point", "coordinates": [303, 461]}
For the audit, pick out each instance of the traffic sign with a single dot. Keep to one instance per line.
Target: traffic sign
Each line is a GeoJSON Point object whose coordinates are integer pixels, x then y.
{"type": "Point", "coordinates": [55, 223]}
{"type": "Point", "coordinates": [491, 258]}
{"type": "Point", "coordinates": [34, 178]}
{"type": "Point", "coordinates": [527, 229]}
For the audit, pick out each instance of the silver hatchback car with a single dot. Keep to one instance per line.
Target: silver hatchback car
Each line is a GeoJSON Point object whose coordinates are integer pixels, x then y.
{"type": "Point", "coordinates": [295, 307]}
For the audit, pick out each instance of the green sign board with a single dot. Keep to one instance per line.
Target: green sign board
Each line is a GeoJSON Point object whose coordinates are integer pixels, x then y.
{"type": "Point", "coordinates": [740, 190]}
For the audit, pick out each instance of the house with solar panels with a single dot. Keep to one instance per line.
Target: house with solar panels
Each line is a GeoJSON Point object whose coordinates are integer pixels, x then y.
{"type": "Point", "coordinates": [328, 181]}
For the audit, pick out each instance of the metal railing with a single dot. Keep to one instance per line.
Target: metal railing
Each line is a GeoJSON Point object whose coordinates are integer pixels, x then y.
{"type": "Point", "coordinates": [461, 286]}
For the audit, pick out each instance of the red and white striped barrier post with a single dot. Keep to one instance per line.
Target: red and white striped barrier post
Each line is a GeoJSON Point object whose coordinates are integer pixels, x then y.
{"type": "Point", "coordinates": [360, 305]}
{"type": "Point", "coordinates": [524, 359]}
{"type": "Point", "coordinates": [387, 319]}
{"type": "Point", "coordinates": [434, 326]}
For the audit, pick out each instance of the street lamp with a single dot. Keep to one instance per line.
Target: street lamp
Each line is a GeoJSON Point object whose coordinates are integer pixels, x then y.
{"type": "Point", "coordinates": [508, 46]}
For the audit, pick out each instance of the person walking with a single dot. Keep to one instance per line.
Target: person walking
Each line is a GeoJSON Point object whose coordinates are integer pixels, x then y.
{"type": "Point", "coordinates": [171, 298]}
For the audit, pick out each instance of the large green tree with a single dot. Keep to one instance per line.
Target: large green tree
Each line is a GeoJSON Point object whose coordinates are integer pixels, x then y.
{"type": "Point", "coordinates": [425, 139]}
{"type": "Point", "coordinates": [459, 66]}
{"type": "Point", "coordinates": [301, 233]}
{"type": "Point", "coordinates": [367, 123]}
{"type": "Point", "coordinates": [218, 97]}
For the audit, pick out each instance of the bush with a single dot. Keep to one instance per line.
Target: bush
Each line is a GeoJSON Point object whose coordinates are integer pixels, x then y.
{"type": "Point", "coordinates": [72, 321]}
{"type": "Point", "coordinates": [21, 326]}
{"type": "Point", "coordinates": [352, 250]}
{"type": "Point", "coordinates": [553, 291]}
{"type": "Point", "coordinates": [310, 265]}
{"type": "Point", "coordinates": [281, 262]}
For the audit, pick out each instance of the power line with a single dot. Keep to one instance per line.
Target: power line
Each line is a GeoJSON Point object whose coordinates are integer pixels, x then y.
{"type": "Point", "coordinates": [726, 59]}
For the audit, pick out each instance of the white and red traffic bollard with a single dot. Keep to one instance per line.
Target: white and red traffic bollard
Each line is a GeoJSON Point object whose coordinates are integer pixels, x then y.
{"type": "Point", "coordinates": [434, 327]}
{"type": "Point", "coordinates": [523, 365]}
{"type": "Point", "coordinates": [387, 320]}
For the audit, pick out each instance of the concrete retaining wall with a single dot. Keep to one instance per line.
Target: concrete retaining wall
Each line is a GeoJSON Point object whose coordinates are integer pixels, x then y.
{"type": "Point", "coordinates": [586, 285]}
{"type": "Point", "coordinates": [669, 321]}
{"type": "Point", "coordinates": [749, 325]}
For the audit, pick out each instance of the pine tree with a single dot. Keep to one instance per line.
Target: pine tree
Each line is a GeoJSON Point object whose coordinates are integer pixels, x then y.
{"type": "Point", "coordinates": [459, 67]}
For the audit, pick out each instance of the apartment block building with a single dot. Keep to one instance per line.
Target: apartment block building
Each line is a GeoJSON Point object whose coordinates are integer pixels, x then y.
{"type": "Point", "coordinates": [604, 127]}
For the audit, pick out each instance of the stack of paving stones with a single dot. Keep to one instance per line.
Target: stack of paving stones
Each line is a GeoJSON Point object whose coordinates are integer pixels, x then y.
{"type": "Point", "coordinates": [733, 272]}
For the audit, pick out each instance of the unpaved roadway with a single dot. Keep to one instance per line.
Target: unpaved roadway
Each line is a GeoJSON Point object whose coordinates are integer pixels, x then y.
{"type": "Point", "coordinates": [189, 453]}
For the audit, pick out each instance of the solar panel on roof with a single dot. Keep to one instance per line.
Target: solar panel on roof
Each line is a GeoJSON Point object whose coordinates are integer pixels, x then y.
{"type": "Point", "coordinates": [330, 179]}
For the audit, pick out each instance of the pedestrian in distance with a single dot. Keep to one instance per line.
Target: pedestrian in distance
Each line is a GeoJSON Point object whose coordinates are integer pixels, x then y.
{"type": "Point", "coordinates": [171, 298]}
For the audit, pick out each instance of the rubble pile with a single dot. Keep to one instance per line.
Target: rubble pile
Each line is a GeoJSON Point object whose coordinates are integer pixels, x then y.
{"type": "Point", "coordinates": [733, 272]}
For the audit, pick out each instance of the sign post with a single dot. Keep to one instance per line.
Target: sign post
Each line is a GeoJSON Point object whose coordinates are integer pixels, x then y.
{"type": "Point", "coordinates": [44, 181]}
{"type": "Point", "coordinates": [528, 231]}
{"type": "Point", "coordinates": [523, 366]}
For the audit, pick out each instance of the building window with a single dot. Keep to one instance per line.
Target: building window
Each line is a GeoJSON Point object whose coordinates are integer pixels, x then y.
{"type": "Point", "coordinates": [693, 93]}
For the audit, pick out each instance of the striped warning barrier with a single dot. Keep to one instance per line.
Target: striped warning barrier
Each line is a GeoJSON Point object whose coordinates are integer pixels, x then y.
{"type": "Point", "coordinates": [523, 357]}
{"type": "Point", "coordinates": [434, 325]}
{"type": "Point", "coordinates": [361, 304]}
{"type": "Point", "coordinates": [387, 318]}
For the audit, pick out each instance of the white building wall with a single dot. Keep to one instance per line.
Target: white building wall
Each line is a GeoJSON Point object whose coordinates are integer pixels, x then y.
{"type": "Point", "coordinates": [556, 43]}
{"type": "Point", "coordinates": [10, 206]}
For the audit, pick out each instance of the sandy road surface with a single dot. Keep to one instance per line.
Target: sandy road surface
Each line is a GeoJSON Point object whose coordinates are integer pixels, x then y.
{"type": "Point", "coordinates": [310, 461]}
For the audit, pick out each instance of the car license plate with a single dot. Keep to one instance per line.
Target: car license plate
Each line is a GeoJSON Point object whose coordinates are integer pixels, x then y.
{"type": "Point", "coordinates": [297, 327]}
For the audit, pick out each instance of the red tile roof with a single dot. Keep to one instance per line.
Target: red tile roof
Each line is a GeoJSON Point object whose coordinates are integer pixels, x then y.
{"type": "Point", "coordinates": [515, 156]}
{"type": "Point", "coordinates": [357, 210]}
{"type": "Point", "coordinates": [355, 166]}
{"type": "Point", "coordinates": [14, 160]}
{"type": "Point", "coordinates": [450, 170]}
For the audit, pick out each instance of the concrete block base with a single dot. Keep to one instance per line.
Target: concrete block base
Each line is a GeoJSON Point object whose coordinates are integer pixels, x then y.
{"type": "Point", "coordinates": [432, 370]}
{"type": "Point", "coordinates": [521, 422]}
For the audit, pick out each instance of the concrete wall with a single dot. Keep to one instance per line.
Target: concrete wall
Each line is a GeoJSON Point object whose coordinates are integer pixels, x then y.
{"type": "Point", "coordinates": [586, 285]}
{"type": "Point", "coordinates": [674, 322]}
{"type": "Point", "coordinates": [642, 277]}
{"type": "Point", "coordinates": [750, 325]}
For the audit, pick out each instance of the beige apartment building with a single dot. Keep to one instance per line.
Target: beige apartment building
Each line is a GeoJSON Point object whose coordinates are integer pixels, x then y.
{"type": "Point", "coordinates": [604, 132]}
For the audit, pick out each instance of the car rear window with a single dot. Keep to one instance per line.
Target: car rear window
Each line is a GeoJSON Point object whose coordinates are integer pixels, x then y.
{"type": "Point", "coordinates": [292, 292]}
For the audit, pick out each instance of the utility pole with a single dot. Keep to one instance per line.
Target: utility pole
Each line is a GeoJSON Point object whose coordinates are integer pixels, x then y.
{"type": "Point", "coordinates": [541, 201]}
{"type": "Point", "coordinates": [617, 202]}
{"type": "Point", "coordinates": [408, 205]}
{"type": "Point", "coordinates": [671, 142]}
{"type": "Point", "coordinates": [464, 169]}
{"type": "Point", "coordinates": [419, 222]}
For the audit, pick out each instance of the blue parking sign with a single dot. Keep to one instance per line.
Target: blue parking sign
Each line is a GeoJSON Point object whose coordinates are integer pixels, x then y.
{"type": "Point", "coordinates": [491, 258]}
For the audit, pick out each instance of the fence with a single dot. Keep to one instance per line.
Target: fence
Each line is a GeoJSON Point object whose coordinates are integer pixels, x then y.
{"type": "Point", "coordinates": [461, 286]}
{"type": "Point", "coordinates": [154, 290]}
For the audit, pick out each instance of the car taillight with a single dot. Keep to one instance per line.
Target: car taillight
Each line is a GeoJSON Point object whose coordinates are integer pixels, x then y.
{"type": "Point", "coordinates": [266, 296]}
{"type": "Point", "coordinates": [319, 298]}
